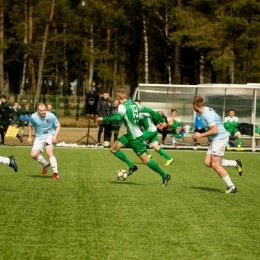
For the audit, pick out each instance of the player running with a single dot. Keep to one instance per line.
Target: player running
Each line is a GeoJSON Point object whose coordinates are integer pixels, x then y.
{"type": "Point", "coordinates": [128, 112]}
{"type": "Point", "coordinates": [218, 135]}
{"type": "Point", "coordinates": [47, 128]}
{"type": "Point", "coordinates": [150, 133]}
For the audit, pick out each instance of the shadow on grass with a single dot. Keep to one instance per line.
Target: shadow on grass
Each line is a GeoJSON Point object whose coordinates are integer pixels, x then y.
{"type": "Point", "coordinates": [206, 189]}
{"type": "Point", "coordinates": [41, 176]}
{"type": "Point", "coordinates": [125, 182]}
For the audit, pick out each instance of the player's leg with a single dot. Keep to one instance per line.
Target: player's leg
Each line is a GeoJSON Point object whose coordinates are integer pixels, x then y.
{"type": "Point", "coordinates": [37, 149]}
{"type": "Point", "coordinates": [100, 130]}
{"type": "Point", "coordinates": [213, 157]}
{"type": "Point", "coordinates": [10, 161]}
{"type": "Point", "coordinates": [139, 148]}
{"type": "Point", "coordinates": [148, 136]}
{"type": "Point", "coordinates": [52, 158]}
{"type": "Point", "coordinates": [155, 145]}
{"type": "Point", "coordinates": [239, 141]}
{"type": "Point", "coordinates": [115, 149]}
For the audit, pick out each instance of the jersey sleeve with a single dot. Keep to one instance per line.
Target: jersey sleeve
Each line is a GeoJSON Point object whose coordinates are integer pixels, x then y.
{"type": "Point", "coordinates": [118, 116]}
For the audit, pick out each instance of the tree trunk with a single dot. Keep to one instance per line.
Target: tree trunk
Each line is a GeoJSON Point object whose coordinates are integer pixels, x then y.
{"type": "Point", "coordinates": [146, 54]}
{"type": "Point", "coordinates": [25, 40]}
{"type": "Point", "coordinates": [42, 57]}
{"type": "Point", "coordinates": [115, 67]}
{"type": "Point", "coordinates": [2, 87]}
{"type": "Point", "coordinates": [91, 63]}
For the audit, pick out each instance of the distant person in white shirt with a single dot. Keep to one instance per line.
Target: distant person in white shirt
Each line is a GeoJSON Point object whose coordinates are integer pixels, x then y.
{"type": "Point", "coordinates": [47, 128]}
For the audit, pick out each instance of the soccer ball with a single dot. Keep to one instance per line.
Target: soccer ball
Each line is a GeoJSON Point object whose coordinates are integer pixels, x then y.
{"type": "Point", "coordinates": [106, 144]}
{"type": "Point", "coordinates": [121, 174]}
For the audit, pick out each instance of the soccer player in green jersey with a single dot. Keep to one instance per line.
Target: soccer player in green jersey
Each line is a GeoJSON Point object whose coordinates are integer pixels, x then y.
{"type": "Point", "coordinates": [150, 133]}
{"type": "Point", "coordinates": [231, 124]}
{"type": "Point", "coordinates": [128, 112]}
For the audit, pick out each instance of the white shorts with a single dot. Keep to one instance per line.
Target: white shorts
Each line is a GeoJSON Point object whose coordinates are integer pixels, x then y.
{"type": "Point", "coordinates": [40, 143]}
{"type": "Point", "coordinates": [217, 147]}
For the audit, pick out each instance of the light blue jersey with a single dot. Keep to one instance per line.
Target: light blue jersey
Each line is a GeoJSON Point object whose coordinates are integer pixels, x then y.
{"type": "Point", "coordinates": [44, 127]}
{"type": "Point", "coordinates": [209, 118]}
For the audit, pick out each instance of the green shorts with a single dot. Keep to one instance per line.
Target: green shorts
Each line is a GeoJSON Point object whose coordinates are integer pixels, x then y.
{"type": "Point", "coordinates": [150, 136]}
{"type": "Point", "coordinates": [137, 144]}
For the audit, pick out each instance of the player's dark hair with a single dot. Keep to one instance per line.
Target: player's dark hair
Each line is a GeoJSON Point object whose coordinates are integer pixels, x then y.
{"type": "Point", "coordinates": [173, 110]}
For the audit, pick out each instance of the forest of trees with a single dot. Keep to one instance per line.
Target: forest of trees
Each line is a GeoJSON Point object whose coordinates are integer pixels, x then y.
{"type": "Point", "coordinates": [47, 44]}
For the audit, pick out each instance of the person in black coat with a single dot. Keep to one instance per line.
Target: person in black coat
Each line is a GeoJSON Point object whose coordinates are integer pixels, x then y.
{"type": "Point", "coordinates": [6, 111]}
{"type": "Point", "coordinates": [103, 110]}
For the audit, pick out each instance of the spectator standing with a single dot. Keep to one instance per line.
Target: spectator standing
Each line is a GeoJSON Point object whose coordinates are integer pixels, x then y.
{"type": "Point", "coordinates": [6, 111]}
{"type": "Point", "coordinates": [231, 124]}
{"type": "Point", "coordinates": [103, 110]}
{"type": "Point", "coordinates": [50, 109]}
{"type": "Point", "coordinates": [115, 125]}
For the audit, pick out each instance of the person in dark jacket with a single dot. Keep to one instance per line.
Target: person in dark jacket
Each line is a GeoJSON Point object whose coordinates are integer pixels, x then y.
{"type": "Point", "coordinates": [6, 110]}
{"type": "Point", "coordinates": [115, 125]}
{"type": "Point", "coordinates": [103, 110]}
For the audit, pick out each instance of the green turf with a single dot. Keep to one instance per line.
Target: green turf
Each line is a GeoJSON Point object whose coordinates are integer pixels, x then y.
{"type": "Point", "coordinates": [88, 214]}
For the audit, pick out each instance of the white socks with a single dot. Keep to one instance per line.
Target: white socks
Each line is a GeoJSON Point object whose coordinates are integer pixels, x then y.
{"type": "Point", "coordinates": [54, 165]}
{"type": "Point", "coordinates": [4, 160]}
{"type": "Point", "coordinates": [224, 162]}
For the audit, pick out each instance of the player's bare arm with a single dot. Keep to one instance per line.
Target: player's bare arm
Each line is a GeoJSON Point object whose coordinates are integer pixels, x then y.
{"type": "Point", "coordinates": [30, 129]}
{"type": "Point", "coordinates": [213, 130]}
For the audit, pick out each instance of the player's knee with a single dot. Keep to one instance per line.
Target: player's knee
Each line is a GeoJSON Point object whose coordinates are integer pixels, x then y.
{"type": "Point", "coordinates": [208, 164]}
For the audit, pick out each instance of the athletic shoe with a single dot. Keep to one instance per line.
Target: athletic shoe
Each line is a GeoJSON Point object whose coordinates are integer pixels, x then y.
{"type": "Point", "coordinates": [45, 168]}
{"type": "Point", "coordinates": [13, 163]}
{"type": "Point", "coordinates": [169, 162]}
{"type": "Point", "coordinates": [149, 156]}
{"type": "Point", "coordinates": [162, 143]}
{"type": "Point", "coordinates": [240, 149]}
{"type": "Point", "coordinates": [231, 189]}
{"type": "Point", "coordinates": [166, 180]}
{"type": "Point", "coordinates": [239, 167]}
{"type": "Point", "coordinates": [98, 144]}
{"type": "Point", "coordinates": [228, 148]}
{"type": "Point", "coordinates": [132, 170]}
{"type": "Point", "coordinates": [55, 176]}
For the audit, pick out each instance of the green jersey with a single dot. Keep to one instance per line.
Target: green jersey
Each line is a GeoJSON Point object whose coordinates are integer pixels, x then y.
{"type": "Point", "coordinates": [128, 112]}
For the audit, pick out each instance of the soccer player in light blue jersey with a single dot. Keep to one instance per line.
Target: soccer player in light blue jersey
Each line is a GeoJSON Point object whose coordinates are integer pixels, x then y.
{"type": "Point", "coordinates": [218, 135]}
{"type": "Point", "coordinates": [47, 128]}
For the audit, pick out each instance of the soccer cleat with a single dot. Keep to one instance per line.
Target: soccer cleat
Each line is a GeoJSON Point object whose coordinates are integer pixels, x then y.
{"type": "Point", "coordinates": [149, 156]}
{"type": "Point", "coordinates": [55, 176]}
{"type": "Point", "coordinates": [228, 148]}
{"type": "Point", "coordinates": [240, 149]}
{"type": "Point", "coordinates": [169, 162]}
{"type": "Point", "coordinates": [231, 189]}
{"type": "Point", "coordinates": [45, 168]}
{"type": "Point", "coordinates": [239, 167]}
{"type": "Point", "coordinates": [13, 163]}
{"type": "Point", "coordinates": [166, 180]}
{"type": "Point", "coordinates": [131, 170]}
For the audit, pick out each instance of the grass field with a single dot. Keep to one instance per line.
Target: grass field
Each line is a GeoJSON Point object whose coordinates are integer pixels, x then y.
{"type": "Point", "coordinates": [88, 214]}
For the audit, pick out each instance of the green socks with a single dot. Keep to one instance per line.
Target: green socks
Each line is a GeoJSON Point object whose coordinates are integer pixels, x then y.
{"type": "Point", "coordinates": [154, 166]}
{"type": "Point", "coordinates": [164, 154]}
{"type": "Point", "coordinates": [123, 158]}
